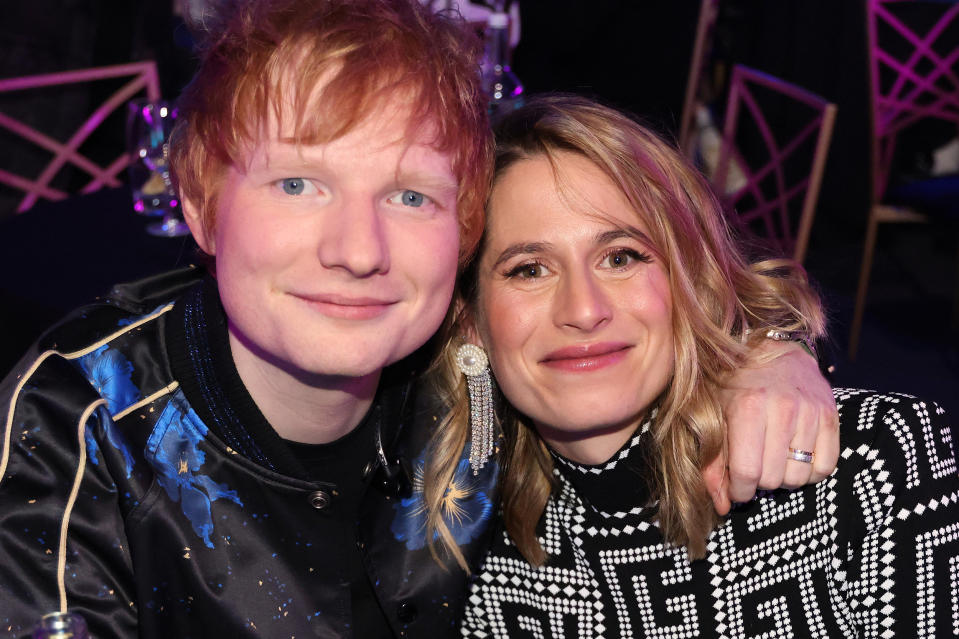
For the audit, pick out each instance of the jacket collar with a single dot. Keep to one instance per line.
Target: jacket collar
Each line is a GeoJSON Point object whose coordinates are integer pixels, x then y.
{"type": "Point", "coordinates": [199, 350]}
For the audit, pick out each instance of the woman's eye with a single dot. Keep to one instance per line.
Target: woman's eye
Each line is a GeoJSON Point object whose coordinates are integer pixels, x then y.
{"type": "Point", "coordinates": [528, 271]}
{"type": "Point", "coordinates": [295, 186]}
{"type": "Point", "coordinates": [621, 258]}
{"type": "Point", "coordinates": [410, 198]}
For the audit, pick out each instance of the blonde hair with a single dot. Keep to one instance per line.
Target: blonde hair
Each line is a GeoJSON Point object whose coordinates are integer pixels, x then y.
{"type": "Point", "coordinates": [717, 297]}
{"type": "Point", "coordinates": [262, 55]}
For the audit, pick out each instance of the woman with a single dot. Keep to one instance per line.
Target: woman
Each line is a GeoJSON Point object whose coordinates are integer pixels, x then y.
{"type": "Point", "coordinates": [612, 302]}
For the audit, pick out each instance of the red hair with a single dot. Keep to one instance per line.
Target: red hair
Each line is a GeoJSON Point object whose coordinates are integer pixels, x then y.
{"type": "Point", "coordinates": [270, 54]}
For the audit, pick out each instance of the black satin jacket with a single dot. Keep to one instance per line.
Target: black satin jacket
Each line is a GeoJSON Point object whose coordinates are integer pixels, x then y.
{"type": "Point", "coordinates": [183, 514]}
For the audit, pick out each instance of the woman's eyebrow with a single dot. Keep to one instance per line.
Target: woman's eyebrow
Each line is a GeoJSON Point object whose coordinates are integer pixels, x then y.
{"type": "Point", "coordinates": [605, 237]}
{"type": "Point", "coordinates": [523, 248]}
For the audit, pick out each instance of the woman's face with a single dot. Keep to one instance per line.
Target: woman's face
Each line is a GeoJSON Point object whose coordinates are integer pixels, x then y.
{"type": "Point", "coordinates": [574, 305]}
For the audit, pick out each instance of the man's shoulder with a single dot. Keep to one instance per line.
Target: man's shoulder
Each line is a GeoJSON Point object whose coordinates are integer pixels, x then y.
{"type": "Point", "coordinates": [148, 292]}
{"type": "Point", "coordinates": [898, 438]}
{"type": "Point", "coordinates": [863, 411]}
{"type": "Point", "coordinates": [83, 350]}
{"type": "Point", "coordinates": [126, 305]}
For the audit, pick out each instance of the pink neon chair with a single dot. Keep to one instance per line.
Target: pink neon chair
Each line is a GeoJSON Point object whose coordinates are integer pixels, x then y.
{"type": "Point", "coordinates": [913, 50]}
{"type": "Point", "coordinates": [143, 78]}
{"type": "Point", "coordinates": [771, 160]}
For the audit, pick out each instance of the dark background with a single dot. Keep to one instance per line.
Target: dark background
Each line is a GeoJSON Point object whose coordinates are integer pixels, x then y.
{"type": "Point", "coordinates": [636, 55]}
{"type": "Point", "coordinates": [633, 54]}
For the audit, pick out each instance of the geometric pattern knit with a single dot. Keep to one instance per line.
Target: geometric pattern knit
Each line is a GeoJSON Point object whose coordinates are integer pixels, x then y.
{"type": "Point", "coordinates": [872, 551]}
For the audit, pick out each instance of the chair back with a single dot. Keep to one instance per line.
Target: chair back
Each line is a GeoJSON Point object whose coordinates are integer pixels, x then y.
{"type": "Point", "coordinates": [913, 49]}
{"type": "Point", "coordinates": [775, 142]}
{"type": "Point", "coordinates": [142, 78]}
{"type": "Point", "coordinates": [708, 10]}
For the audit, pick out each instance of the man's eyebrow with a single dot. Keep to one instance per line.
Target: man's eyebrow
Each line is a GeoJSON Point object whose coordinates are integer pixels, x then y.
{"type": "Point", "coordinates": [280, 158]}
{"type": "Point", "coordinates": [428, 179]}
{"type": "Point", "coordinates": [522, 248]}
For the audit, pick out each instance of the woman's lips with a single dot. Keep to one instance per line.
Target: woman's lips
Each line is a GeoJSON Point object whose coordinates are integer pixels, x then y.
{"type": "Point", "coordinates": [345, 307]}
{"type": "Point", "coordinates": [586, 357]}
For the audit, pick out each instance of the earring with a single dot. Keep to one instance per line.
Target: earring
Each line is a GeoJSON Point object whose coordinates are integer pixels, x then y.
{"type": "Point", "coordinates": [472, 362]}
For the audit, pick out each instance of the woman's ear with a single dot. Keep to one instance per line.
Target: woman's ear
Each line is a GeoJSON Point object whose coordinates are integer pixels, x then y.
{"type": "Point", "coordinates": [467, 325]}
{"type": "Point", "coordinates": [474, 337]}
{"type": "Point", "coordinates": [204, 238]}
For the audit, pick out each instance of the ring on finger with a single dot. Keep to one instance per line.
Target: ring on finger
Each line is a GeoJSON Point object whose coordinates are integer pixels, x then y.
{"type": "Point", "coordinates": [804, 456]}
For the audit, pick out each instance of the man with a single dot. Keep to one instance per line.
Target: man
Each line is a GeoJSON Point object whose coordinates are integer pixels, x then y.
{"type": "Point", "coordinates": [226, 455]}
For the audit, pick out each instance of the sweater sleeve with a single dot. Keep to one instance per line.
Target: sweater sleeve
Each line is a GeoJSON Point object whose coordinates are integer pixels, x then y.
{"type": "Point", "coordinates": [62, 498]}
{"type": "Point", "coordinates": [901, 513]}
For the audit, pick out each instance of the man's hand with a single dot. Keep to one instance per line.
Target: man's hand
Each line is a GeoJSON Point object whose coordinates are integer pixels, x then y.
{"type": "Point", "coordinates": [771, 405]}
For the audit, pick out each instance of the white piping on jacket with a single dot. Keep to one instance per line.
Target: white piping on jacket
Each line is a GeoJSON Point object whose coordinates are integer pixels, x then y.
{"type": "Point", "coordinates": [81, 432]}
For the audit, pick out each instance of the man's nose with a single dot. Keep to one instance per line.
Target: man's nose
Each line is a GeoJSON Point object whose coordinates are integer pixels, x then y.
{"type": "Point", "coordinates": [353, 238]}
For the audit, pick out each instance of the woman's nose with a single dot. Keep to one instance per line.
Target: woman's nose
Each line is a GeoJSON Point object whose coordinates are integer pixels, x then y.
{"type": "Point", "coordinates": [581, 303]}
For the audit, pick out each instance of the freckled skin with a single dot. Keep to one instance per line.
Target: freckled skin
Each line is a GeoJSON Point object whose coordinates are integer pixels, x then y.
{"type": "Point", "coordinates": [343, 229]}
{"type": "Point", "coordinates": [333, 261]}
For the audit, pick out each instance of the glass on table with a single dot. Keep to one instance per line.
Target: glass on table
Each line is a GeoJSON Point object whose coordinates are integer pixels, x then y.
{"type": "Point", "coordinates": [149, 125]}
{"type": "Point", "coordinates": [61, 625]}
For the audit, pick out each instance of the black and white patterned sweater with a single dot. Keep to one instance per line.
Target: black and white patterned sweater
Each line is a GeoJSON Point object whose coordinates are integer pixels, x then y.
{"type": "Point", "coordinates": [872, 551]}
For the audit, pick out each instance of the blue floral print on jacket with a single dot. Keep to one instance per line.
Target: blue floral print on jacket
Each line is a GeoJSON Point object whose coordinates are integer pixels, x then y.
{"type": "Point", "coordinates": [173, 449]}
{"type": "Point", "coordinates": [116, 439]}
{"type": "Point", "coordinates": [110, 373]}
{"type": "Point", "coordinates": [467, 506]}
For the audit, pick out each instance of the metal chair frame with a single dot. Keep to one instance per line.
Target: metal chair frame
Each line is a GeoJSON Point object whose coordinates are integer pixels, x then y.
{"type": "Point", "coordinates": [144, 78]}
{"type": "Point", "coordinates": [767, 183]}
{"type": "Point", "coordinates": [923, 85]}
{"type": "Point", "coordinates": [708, 11]}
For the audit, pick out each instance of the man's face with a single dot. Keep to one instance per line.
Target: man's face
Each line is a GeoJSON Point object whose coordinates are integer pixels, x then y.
{"type": "Point", "coordinates": [336, 259]}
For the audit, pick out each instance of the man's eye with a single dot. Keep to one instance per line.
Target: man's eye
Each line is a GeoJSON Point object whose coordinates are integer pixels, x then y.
{"type": "Point", "coordinates": [411, 198]}
{"type": "Point", "coordinates": [293, 186]}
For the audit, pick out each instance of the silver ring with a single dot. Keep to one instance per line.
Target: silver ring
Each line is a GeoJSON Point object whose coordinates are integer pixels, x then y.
{"type": "Point", "coordinates": [803, 456]}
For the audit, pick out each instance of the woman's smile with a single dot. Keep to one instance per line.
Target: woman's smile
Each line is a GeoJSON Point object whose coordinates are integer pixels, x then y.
{"type": "Point", "coordinates": [586, 357]}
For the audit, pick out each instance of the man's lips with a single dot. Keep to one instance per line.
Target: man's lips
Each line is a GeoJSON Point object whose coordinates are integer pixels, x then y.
{"type": "Point", "coordinates": [346, 306]}
{"type": "Point", "coordinates": [586, 357]}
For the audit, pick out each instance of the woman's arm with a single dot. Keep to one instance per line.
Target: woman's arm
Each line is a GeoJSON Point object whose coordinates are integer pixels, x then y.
{"type": "Point", "coordinates": [777, 401]}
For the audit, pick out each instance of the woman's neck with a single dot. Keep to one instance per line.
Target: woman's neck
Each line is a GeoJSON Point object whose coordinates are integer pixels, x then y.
{"type": "Point", "coordinates": [591, 446]}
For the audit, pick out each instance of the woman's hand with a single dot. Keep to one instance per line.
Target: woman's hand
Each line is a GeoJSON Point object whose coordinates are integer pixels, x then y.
{"type": "Point", "coordinates": [778, 401]}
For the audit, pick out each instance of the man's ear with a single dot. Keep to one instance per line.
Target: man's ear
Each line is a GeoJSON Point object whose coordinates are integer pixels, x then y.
{"type": "Point", "coordinates": [191, 213]}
